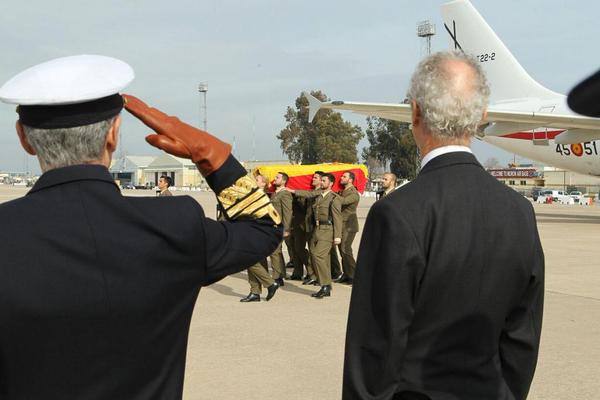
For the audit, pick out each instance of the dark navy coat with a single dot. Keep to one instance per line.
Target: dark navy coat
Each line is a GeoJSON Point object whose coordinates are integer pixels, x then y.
{"type": "Point", "coordinates": [97, 289]}
{"type": "Point", "coordinates": [448, 292]}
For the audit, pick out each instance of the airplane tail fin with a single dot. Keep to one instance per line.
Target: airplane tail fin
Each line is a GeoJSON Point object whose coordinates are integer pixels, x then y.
{"type": "Point", "coordinates": [469, 32]}
{"type": "Point", "coordinates": [314, 105]}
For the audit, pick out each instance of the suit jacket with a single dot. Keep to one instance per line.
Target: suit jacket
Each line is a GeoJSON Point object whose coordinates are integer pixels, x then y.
{"type": "Point", "coordinates": [448, 292]}
{"type": "Point", "coordinates": [349, 200]}
{"type": "Point", "coordinates": [328, 208]}
{"type": "Point", "coordinates": [282, 201]}
{"type": "Point", "coordinates": [97, 289]}
{"type": "Point", "coordinates": [166, 193]}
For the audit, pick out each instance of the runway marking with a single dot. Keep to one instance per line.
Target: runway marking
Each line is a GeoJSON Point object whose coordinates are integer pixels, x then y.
{"type": "Point", "coordinates": [573, 295]}
{"type": "Point", "coordinates": [566, 221]}
{"type": "Point", "coordinates": [568, 216]}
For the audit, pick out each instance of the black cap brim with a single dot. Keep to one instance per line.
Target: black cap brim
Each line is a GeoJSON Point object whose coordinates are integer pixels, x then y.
{"type": "Point", "coordinates": [70, 115]}
{"type": "Point", "coordinates": [585, 97]}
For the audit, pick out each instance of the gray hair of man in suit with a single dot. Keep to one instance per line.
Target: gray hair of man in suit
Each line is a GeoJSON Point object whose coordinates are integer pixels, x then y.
{"type": "Point", "coordinates": [449, 95]}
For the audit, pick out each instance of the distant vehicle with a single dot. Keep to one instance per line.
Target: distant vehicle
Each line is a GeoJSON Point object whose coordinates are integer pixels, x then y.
{"type": "Point", "coordinates": [535, 193]}
{"type": "Point", "coordinates": [578, 197]}
{"type": "Point", "coordinates": [558, 196]}
{"type": "Point", "coordinates": [128, 186]}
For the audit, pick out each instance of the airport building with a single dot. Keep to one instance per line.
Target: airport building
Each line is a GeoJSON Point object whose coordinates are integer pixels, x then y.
{"type": "Point", "coordinates": [522, 179]}
{"type": "Point", "coordinates": [129, 170]}
{"type": "Point", "coordinates": [183, 172]}
{"type": "Point", "coordinates": [556, 178]}
{"type": "Point", "coordinates": [525, 178]}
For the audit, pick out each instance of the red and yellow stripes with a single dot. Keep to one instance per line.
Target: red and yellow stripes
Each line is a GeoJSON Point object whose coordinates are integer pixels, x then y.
{"type": "Point", "coordinates": [301, 175]}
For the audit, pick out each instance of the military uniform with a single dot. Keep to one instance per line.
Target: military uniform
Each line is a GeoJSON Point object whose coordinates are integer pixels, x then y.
{"type": "Point", "coordinates": [336, 268]}
{"type": "Point", "coordinates": [299, 236]}
{"type": "Point", "coordinates": [349, 199]}
{"type": "Point", "coordinates": [328, 225]}
{"type": "Point", "coordinates": [97, 290]}
{"type": "Point", "coordinates": [258, 276]}
{"type": "Point", "coordinates": [112, 285]}
{"type": "Point", "coordinates": [308, 196]}
{"type": "Point", "coordinates": [282, 202]}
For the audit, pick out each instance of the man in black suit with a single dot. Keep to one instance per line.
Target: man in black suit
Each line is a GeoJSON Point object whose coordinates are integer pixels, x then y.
{"type": "Point", "coordinates": [97, 290]}
{"type": "Point", "coordinates": [448, 292]}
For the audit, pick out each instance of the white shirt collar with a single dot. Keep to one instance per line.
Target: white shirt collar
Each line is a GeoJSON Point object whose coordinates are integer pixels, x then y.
{"type": "Point", "coordinates": [443, 150]}
{"type": "Point", "coordinates": [390, 190]}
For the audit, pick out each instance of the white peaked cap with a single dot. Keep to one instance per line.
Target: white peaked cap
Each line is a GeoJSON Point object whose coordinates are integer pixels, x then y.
{"type": "Point", "coordinates": [68, 80]}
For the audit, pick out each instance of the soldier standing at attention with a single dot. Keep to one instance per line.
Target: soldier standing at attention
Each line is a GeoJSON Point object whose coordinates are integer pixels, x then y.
{"type": "Point", "coordinates": [327, 233]}
{"type": "Point", "coordinates": [349, 200]}
{"type": "Point", "coordinates": [282, 201]}
{"type": "Point", "coordinates": [258, 274]}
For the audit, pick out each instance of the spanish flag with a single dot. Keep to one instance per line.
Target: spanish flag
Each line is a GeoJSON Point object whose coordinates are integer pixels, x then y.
{"type": "Point", "coordinates": [301, 175]}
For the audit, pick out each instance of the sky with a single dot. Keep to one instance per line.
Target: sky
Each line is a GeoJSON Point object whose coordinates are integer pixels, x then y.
{"type": "Point", "coordinates": [257, 56]}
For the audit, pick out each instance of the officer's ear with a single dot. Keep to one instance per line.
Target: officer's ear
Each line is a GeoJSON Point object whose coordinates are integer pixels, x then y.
{"type": "Point", "coordinates": [112, 137]}
{"type": "Point", "coordinates": [23, 139]}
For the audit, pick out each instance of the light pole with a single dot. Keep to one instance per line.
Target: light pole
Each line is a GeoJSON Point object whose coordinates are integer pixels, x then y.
{"type": "Point", "coordinates": [426, 29]}
{"type": "Point", "coordinates": [202, 89]}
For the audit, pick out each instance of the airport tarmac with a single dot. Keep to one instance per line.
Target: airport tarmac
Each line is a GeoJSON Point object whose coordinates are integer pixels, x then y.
{"type": "Point", "coordinates": [292, 347]}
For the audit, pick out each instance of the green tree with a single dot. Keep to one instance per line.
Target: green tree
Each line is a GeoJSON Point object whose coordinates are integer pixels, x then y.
{"type": "Point", "coordinates": [326, 139]}
{"type": "Point", "coordinates": [392, 142]}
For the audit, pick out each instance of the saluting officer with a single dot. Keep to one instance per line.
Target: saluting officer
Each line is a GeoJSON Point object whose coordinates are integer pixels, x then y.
{"type": "Point", "coordinates": [97, 290]}
{"type": "Point", "coordinates": [349, 200]}
{"type": "Point", "coordinates": [282, 201]}
{"type": "Point", "coordinates": [258, 274]}
{"type": "Point", "coordinates": [327, 233]}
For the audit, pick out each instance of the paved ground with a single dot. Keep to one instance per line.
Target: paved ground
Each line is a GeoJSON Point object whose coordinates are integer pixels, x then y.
{"type": "Point", "coordinates": [292, 347]}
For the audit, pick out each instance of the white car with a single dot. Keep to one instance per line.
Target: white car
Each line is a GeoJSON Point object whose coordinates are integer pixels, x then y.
{"type": "Point", "coordinates": [580, 198]}
{"type": "Point", "coordinates": [558, 196]}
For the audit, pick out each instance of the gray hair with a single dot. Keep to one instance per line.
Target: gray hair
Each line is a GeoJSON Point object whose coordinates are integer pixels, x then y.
{"type": "Point", "coordinates": [448, 110]}
{"type": "Point", "coordinates": [62, 147]}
